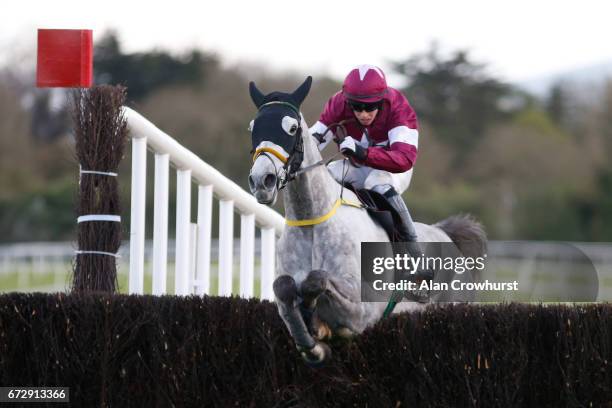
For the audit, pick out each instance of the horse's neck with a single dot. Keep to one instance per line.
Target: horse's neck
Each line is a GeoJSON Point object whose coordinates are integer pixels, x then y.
{"type": "Point", "coordinates": [313, 193]}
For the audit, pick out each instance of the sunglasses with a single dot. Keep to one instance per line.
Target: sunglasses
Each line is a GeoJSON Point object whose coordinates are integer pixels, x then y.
{"type": "Point", "coordinates": [368, 107]}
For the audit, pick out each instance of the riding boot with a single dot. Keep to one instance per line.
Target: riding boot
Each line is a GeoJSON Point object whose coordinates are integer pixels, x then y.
{"type": "Point", "coordinates": [408, 238]}
{"type": "Point", "coordinates": [405, 229]}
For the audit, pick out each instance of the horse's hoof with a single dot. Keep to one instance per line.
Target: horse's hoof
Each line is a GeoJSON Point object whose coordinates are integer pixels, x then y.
{"type": "Point", "coordinates": [285, 289]}
{"type": "Point", "coordinates": [317, 356]}
{"type": "Point", "coordinates": [311, 287]}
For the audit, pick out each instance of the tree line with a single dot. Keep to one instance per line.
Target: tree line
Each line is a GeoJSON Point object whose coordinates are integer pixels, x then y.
{"type": "Point", "coordinates": [528, 167]}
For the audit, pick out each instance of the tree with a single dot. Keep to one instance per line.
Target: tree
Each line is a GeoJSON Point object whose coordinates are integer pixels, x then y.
{"type": "Point", "coordinates": [556, 103]}
{"type": "Point", "coordinates": [457, 96]}
{"type": "Point", "coordinates": [529, 173]}
{"type": "Point", "coordinates": [145, 72]}
{"type": "Point", "coordinates": [597, 213]}
{"type": "Point", "coordinates": [50, 121]}
{"type": "Point", "coordinates": [16, 172]}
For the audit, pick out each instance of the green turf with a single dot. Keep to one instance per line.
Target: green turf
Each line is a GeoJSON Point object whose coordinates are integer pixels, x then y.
{"type": "Point", "coordinates": [30, 281]}
{"type": "Point", "coordinates": [10, 282]}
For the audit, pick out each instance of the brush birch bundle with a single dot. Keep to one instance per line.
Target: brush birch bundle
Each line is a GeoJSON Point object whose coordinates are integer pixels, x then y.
{"type": "Point", "coordinates": [101, 133]}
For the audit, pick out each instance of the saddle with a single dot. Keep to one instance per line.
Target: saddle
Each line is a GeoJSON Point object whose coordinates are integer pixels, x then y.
{"type": "Point", "coordinates": [379, 209]}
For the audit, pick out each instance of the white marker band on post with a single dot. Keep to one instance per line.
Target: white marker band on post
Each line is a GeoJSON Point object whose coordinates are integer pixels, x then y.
{"type": "Point", "coordinates": [97, 253]}
{"type": "Point", "coordinates": [102, 173]}
{"type": "Point", "coordinates": [99, 217]}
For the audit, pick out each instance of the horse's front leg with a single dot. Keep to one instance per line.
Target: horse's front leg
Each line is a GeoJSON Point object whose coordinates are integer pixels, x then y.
{"type": "Point", "coordinates": [314, 353]}
{"type": "Point", "coordinates": [316, 284]}
{"type": "Point", "coordinates": [310, 290]}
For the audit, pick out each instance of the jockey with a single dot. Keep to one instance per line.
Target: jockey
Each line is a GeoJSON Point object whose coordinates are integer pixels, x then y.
{"type": "Point", "coordinates": [381, 141]}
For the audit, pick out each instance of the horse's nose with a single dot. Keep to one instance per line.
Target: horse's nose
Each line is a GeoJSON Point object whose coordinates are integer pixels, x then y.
{"type": "Point", "coordinates": [251, 183]}
{"type": "Point", "coordinates": [267, 181]}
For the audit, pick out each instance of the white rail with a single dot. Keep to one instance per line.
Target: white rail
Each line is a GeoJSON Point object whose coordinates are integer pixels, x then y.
{"type": "Point", "coordinates": [193, 260]}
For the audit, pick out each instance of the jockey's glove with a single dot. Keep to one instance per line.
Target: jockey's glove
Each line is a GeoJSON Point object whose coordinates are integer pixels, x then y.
{"type": "Point", "coordinates": [350, 148]}
{"type": "Point", "coordinates": [323, 139]}
{"type": "Point", "coordinates": [320, 138]}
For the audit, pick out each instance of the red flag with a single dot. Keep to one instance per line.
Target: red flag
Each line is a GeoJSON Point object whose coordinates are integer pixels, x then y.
{"type": "Point", "coordinates": [65, 58]}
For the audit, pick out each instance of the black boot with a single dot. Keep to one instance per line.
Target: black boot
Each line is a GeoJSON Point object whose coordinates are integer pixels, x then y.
{"type": "Point", "coordinates": [405, 229]}
{"type": "Point", "coordinates": [408, 238]}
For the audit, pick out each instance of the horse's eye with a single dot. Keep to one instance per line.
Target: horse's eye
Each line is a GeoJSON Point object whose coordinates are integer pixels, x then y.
{"type": "Point", "coordinates": [290, 125]}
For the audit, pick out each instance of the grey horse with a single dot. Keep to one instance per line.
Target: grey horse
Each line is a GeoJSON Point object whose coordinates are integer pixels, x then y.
{"type": "Point", "coordinates": [317, 285]}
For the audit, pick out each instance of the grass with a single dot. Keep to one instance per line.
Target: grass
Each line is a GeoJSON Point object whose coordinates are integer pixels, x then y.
{"type": "Point", "coordinates": [10, 282]}
{"type": "Point", "coordinates": [214, 285]}
{"type": "Point", "coordinates": [27, 280]}
{"type": "Point", "coordinates": [33, 281]}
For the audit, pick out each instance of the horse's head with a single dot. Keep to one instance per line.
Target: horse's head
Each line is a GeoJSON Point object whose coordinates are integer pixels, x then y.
{"type": "Point", "coordinates": [276, 134]}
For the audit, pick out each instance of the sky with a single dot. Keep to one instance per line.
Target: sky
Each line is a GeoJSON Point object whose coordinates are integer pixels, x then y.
{"type": "Point", "coordinates": [519, 40]}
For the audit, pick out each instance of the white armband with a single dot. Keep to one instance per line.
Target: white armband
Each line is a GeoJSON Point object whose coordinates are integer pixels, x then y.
{"type": "Point", "coordinates": [405, 135]}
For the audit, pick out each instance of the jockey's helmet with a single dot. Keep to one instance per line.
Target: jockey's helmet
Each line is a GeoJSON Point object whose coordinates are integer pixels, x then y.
{"type": "Point", "coordinates": [365, 83]}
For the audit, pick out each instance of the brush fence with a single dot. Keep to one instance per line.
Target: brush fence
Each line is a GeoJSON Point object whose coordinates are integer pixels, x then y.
{"type": "Point", "coordinates": [193, 240]}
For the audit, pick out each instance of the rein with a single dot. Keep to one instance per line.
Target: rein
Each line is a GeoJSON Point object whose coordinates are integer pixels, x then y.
{"type": "Point", "coordinates": [292, 164]}
{"type": "Point", "coordinates": [338, 140]}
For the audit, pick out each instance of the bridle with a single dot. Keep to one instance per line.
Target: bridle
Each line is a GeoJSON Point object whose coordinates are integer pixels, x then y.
{"type": "Point", "coordinates": [292, 163]}
{"type": "Point", "coordinates": [292, 169]}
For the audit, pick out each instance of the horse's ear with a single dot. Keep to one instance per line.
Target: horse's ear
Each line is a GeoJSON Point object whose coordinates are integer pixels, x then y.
{"type": "Point", "coordinates": [300, 94]}
{"type": "Point", "coordinates": [256, 94]}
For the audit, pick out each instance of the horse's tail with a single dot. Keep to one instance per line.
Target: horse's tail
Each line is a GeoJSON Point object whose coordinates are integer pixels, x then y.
{"type": "Point", "coordinates": [467, 233]}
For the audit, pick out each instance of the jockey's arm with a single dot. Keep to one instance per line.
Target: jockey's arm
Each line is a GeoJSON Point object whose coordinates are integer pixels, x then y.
{"type": "Point", "coordinates": [399, 156]}
{"type": "Point", "coordinates": [332, 113]}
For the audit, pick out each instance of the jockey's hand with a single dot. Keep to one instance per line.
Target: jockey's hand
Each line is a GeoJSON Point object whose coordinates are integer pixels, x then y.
{"type": "Point", "coordinates": [323, 139]}
{"type": "Point", "coordinates": [350, 148]}
{"type": "Point", "coordinates": [320, 138]}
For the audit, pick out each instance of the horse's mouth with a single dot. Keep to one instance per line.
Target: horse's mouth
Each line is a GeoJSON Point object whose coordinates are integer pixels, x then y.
{"type": "Point", "coordinates": [265, 197]}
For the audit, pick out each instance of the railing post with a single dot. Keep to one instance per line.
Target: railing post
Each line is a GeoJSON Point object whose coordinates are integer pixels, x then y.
{"type": "Point", "coordinates": [146, 135]}
{"type": "Point", "coordinates": [160, 224]}
{"type": "Point", "coordinates": [247, 254]}
{"type": "Point", "coordinates": [205, 197]}
{"type": "Point", "coordinates": [137, 220]}
{"type": "Point", "coordinates": [183, 215]}
{"type": "Point", "coordinates": [193, 240]}
{"type": "Point", "coordinates": [226, 247]}
{"type": "Point", "coordinates": [268, 252]}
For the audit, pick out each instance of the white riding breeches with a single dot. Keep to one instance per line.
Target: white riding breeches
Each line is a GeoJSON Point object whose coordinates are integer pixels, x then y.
{"type": "Point", "coordinates": [368, 178]}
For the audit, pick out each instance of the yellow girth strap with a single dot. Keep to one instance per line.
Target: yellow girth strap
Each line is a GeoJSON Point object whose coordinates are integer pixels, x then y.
{"type": "Point", "coordinates": [323, 218]}
{"type": "Point", "coordinates": [271, 151]}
